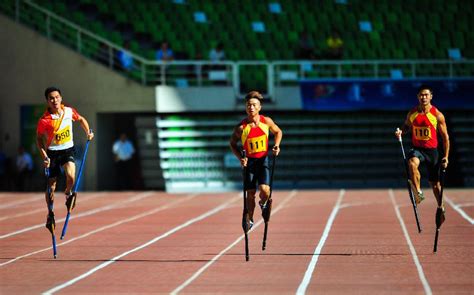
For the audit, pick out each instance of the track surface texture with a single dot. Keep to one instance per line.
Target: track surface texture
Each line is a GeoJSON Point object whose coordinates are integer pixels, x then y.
{"type": "Point", "coordinates": [319, 242]}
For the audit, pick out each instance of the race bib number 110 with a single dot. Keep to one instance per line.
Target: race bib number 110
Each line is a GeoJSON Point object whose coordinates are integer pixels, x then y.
{"type": "Point", "coordinates": [422, 133]}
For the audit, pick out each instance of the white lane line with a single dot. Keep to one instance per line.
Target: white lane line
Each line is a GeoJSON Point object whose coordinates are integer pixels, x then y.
{"type": "Point", "coordinates": [86, 213]}
{"type": "Point", "coordinates": [44, 209]}
{"type": "Point", "coordinates": [144, 214]}
{"type": "Point", "coordinates": [312, 265]}
{"type": "Point", "coordinates": [458, 208]}
{"type": "Point", "coordinates": [19, 202]}
{"type": "Point", "coordinates": [421, 274]}
{"type": "Point", "coordinates": [465, 205]}
{"type": "Point", "coordinates": [215, 258]}
{"type": "Point", "coordinates": [150, 242]}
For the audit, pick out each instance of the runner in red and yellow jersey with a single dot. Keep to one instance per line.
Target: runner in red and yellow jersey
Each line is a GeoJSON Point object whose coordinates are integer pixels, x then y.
{"type": "Point", "coordinates": [253, 133]}
{"type": "Point", "coordinates": [425, 122]}
{"type": "Point", "coordinates": [54, 140]}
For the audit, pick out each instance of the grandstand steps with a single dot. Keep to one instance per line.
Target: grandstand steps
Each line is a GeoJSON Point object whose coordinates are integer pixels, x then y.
{"type": "Point", "coordinates": [149, 158]}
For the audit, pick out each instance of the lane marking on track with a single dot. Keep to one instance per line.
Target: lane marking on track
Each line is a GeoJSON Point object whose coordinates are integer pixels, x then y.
{"type": "Point", "coordinates": [36, 197]}
{"type": "Point", "coordinates": [459, 210]}
{"type": "Point", "coordinates": [419, 268]}
{"type": "Point", "coordinates": [465, 205]}
{"type": "Point", "coordinates": [150, 242]}
{"type": "Point", "coordinates": [356, 204]}
{"type": "Point", "coordinates": [312, 265]}
{"type": "Point", "coordinates": [83, 214]}
{"type": "Point", "coordinates": [92, 196]}
{"type": "Point", "coordinates": [215, 258]}
{"type": "Point", "coordinates": [109, 226]}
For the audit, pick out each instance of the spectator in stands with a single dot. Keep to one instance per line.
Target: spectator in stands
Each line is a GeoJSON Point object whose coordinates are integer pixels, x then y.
{"type": "Point", "coordinates": [125, 58]}
{"type": "Point", "coordinates": [253, 132]}
{"type": "Point", "coordinates": [24, 169]}
{"type": "Point", "coordinates": [123, 153]}
{"type": "Point", "coordinates": [217, 53]}
{"type": "Point", "coordinates": [306, 48]}
{"type": "Point", "coordinates": [424, 122]}
{"type": "Point", "coordinates": [165, 53]}
{"type": "Point", "coordinates": [335, 46]}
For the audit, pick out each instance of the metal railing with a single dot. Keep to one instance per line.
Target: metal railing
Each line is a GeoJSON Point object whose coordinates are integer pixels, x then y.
{"type": "Point", "coordinates": [241, 75]}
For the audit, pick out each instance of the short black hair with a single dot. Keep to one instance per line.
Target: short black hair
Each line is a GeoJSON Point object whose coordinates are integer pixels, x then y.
{"type": "Point", "coordinates": [254, 94]}
{"type": "Point", "coordinates": [49, 90]}
{"type": "Point", "coordinates": [423, 87]}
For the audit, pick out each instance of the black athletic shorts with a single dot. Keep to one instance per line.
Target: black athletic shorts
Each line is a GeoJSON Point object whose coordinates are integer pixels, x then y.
{"type": "Point", "coordinates": [431, 159]}
{"type": "Point", "coordinates": [258, 172]}
{"type": "Point", "coordinates": [58, 159]}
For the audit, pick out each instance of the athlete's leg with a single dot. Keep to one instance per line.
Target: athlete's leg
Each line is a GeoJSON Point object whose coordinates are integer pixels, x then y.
{"type": "Point", "coordinates": [50, 222]}
{"type": "Point", "coordinates": [436, 186]}
{"type": "Point", "coordinates": [251, 202]}
{"type": "Point", "coordinates": [50, 197]}
{"type": "Point", "coordinates": [264, 193]}
{"type": "Point", "coordinates": [70, 172]}
{"type": "Point", "coordinates": [415, 176]}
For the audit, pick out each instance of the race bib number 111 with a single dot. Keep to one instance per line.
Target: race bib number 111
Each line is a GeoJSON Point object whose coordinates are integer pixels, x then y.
{"type": "Point", "coordinates": [257, 144]}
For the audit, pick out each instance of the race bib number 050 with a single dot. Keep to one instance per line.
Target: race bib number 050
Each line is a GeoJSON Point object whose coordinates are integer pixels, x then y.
{"type": "Point", "coordinates": [62, 136]}
{"type": "Point", "coordinates": [422, 133]}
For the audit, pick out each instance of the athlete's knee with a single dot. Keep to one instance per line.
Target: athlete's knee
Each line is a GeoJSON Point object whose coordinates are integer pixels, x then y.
{"type": "Point", "coordinates": [264, 192]}
{"type": "Point", "coordinates": [413, 162]}
{"type": "Point", "coordinates": [435, 185]}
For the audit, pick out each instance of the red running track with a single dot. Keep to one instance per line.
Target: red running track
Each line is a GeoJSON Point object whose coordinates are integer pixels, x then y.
{"type": "Point", "coordinates": [326, 242]}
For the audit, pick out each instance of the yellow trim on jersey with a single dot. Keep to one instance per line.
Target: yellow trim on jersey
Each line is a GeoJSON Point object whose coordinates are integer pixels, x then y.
{"type": "Point", "coordinates": [264, 127]}
{"type": "Point", "coordinates": [433, 120]}
{"type": "Point", "coordinates": [246, 131]}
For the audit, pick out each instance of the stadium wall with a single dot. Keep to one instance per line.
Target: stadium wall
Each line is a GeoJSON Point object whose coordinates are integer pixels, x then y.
{"type": "Point", "coordinates": [30, 63]}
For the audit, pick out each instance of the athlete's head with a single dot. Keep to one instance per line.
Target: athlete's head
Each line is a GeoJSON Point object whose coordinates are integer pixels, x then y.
{"type": "Point", "coordinates": [425, 94]}
{"type": "Point", "coordinates": [425, 87]}
{"type": "Point", "coordinates": [253, 102]}
{"type": "Point", "coordinates": [54, 98]}
{"type": "Point", "coordinates": [48, 90]}
{"type": "Point", "coordinates": [254, 94]}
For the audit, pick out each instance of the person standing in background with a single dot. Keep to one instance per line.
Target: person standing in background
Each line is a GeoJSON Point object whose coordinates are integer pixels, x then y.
{"type": "Point", "coordinates": [24, 170]}
{"type": "Point", "coordinates": [123, 153]}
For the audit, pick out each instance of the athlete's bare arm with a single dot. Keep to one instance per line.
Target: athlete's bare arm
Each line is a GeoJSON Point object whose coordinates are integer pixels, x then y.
{"type": "Point", "coordinates": [277, 133]}
{"type": "Point", "coordinates": [234, 139]}
{"type": "Point", "coordinates": [85, 126]}
{"type": "Point", "coordinates": [443, 131]}
{"type": "Point", "coordinates": [405, 127]}
{"type": "Point", "coordinates": [40, 143]}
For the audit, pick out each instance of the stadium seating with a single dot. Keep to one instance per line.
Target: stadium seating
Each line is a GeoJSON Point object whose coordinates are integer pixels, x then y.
{"type": "Point", "coordinates": [424, 30]}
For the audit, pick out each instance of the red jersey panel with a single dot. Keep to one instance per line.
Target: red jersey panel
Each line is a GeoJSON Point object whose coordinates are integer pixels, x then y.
{"type": "Point", "coordinates": [424, 128]}
{"type": "Point", "coordinates": [255, 139]}
{"type": "Point", "coordinates": [57, 128]}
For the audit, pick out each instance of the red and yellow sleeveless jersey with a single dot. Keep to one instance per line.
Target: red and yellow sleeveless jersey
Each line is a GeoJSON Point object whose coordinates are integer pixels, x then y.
{"type": "Point", "coordinates": [424, 127]}
{"type": "Point", "coordinates": [255, 139]}
{"type": "Point", "coordinates": [58, 128]}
